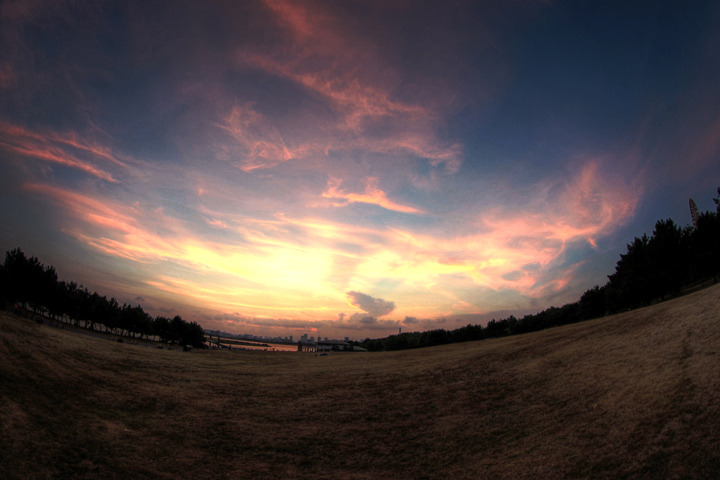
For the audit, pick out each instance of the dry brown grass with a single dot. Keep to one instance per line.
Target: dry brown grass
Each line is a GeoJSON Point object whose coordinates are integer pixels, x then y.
{"type": "Point", "coordinates": [635, 395]}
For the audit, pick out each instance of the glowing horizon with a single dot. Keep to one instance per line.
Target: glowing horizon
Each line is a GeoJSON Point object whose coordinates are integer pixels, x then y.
{"type": "Point", "coordinates": [281, 166]}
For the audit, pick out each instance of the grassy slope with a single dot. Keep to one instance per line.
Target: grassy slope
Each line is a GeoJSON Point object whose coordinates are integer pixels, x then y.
{"type": "Point", "coordinates": [635, 395]}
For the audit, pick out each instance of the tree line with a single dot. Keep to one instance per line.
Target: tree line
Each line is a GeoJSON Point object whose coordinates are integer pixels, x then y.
{"type": "Point", "coordinates": [29, 285]}
{"type": "Point", "coordinates": [654, 268]}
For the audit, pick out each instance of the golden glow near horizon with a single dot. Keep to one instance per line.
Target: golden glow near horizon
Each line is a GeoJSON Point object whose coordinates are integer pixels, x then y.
{"type": "Point", "coordinates": [301, 268]}
{"type": "Point", "coordinates": [313, 173]}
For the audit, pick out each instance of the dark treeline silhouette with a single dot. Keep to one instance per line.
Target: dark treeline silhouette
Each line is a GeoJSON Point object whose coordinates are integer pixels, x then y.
{"type": "Point", "coordinates": [653, 269]}
{"type": "Point", "coordinates": [29, 285]}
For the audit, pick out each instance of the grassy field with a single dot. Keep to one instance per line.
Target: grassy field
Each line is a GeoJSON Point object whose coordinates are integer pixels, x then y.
{"type": "Point", "coordinates": [635, 395]}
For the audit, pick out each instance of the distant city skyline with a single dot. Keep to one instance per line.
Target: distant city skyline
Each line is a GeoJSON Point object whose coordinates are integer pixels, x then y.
{"type": "Point", "coordinates": [276, 167]}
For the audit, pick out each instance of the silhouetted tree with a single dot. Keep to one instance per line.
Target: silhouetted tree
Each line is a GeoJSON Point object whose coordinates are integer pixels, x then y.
{"type": "Point", "coordinates": [652, 268]}
{"type": "Point", "coordinates": [18, 277]}
{"type": "Point", "coordinates": [593, 303]}
{"type": "Point", "coordinates": [194, 335]}
{"type": "Point", "coordinates": [135, 320]}
{"type": "Point", "coordinates": [28, 282]}
{"type": "Point", "coordinates": [161, 328]}
{"type": "Point", "coordinates": [668, 258]}
{"type": "Point", "coordinates": [705, 245]}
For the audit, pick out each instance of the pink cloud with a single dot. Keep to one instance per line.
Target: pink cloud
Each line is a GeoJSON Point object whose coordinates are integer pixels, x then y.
{"type": "Point", "coordinates": [515, 248]}
{"type": "Point", "coordinates": [55, 156]}
{"type": "Point", "coordinates": [274, 265]}
{"type": "Point", "coordinates": [296, 17]}
{"type": "Point", "coordinates": [58, 148]}
{"type": "Point", "coordinates": [111, 227]}
{"type": "Point", "coordinates": [593, 204]}
{"type": "Point", "coordinates": [261, 145]}
{"type": "Point", "coordinates": [292, 265]}
{"type": "Point", "coordinates": [346, 70]}
{"type": "Point", "coordinates": [372, 195]}
{"type": "Point", "coordinates": [356, 98]}
{"type": "Point", "coordinates": [218, 224]}
{"type": "Point", "coordinates": [73, 140]}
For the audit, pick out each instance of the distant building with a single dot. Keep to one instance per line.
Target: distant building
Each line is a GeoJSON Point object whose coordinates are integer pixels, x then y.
{"type": "Point", "coordinates": [323, 346]}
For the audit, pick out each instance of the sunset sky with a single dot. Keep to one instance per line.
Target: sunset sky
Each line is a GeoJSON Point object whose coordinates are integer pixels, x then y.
{"type": "Point", "coordinates": [348, 168]}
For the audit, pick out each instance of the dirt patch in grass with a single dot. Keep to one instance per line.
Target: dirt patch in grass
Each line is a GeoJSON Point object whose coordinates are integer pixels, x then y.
{"type": "Point", "coordinates": [635, 395]}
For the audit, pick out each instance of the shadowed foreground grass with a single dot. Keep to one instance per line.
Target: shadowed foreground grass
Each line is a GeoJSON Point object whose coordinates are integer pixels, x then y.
{"type": "Point", "coordinates": [635, 395]}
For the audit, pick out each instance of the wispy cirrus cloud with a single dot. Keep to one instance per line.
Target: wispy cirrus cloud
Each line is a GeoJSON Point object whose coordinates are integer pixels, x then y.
{"type": "Point", "coordinates": [331, 63]}
{"type": "Point", "coordinates": [283, 261]}
{"type": "Point", "coordinates": [260, 143]}
{"type": "Point", "coordinates": [594, 204]}
{"type": "Point", "coordinates": [264, 159]}
{"type": "Point", "coordinates": [343, 67]}
{"type": "Point", "coordinates": [110, 226]}
{"type": "Point", "coordinates": [67, 150]}
{"type": "Point", "coordinates": [514, 248]}
{"type": "Point", "coordinates": [372, 195]}
{"type": "Point", "coordinates": [265, 263]}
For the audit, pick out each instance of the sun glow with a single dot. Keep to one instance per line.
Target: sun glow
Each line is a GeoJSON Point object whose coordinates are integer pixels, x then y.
{"type": "Point", "coordinates": [385, 151]}
{"type": "Point", "coordinates": [295, 265]}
